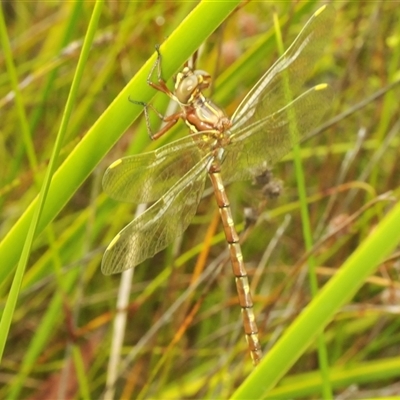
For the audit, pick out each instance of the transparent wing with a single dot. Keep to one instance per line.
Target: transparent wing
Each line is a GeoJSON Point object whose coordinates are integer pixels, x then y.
{"type": "Point", "coordinates": [258, 146]}
{"type": "Point", "coordinates": [159, 225]}
{"type": "Point", "coordinates": [290, 70]}
{"type": "Point", "coordinates": [146, 177]}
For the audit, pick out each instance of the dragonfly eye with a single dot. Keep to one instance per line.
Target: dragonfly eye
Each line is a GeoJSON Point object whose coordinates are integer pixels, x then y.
{"type": "Point", "coordinates": [186, 87]}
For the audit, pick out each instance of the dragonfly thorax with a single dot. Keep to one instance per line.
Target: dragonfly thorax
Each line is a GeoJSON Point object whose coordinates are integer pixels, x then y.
{"type": "Point", "coordinates": [204, 115]}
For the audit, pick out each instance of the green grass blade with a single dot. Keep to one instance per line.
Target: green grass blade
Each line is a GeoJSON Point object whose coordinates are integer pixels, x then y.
{"type": "Point", "coordinates": [38, 207]}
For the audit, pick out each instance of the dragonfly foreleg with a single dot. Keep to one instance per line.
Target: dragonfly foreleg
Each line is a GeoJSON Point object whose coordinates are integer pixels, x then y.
{"type": "Point", "coordinates": [161, 84]}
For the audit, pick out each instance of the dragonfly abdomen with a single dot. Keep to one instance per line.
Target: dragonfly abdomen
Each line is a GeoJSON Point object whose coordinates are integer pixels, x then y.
{"type": "Point", "coordinates": [238, 267]}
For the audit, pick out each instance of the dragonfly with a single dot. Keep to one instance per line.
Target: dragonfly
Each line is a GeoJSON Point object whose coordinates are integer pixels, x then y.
{"type": "Point", "coordinates": [277, 113]}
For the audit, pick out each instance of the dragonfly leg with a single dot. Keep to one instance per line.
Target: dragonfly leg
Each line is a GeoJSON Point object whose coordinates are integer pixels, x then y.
{"type": "Point", "coordinates": [161, 84]}
{"type": "Point", "coordinates": [192, 64]}
{"type": "Point", "coordinates": [169, 120]}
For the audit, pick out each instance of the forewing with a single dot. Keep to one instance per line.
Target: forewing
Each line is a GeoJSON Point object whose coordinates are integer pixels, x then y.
{"type": "Point", "coordinates": [146, 177]}
{"type": "Point", "coordinates": [159, 225]}
{"type": "Point", "coordinates": [290, 70]}
{"type": "Point", "coordinates": [257, 147]}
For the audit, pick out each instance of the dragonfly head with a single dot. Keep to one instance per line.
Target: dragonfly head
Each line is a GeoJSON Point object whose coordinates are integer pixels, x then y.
{"type": "Point", "coordinates": [189, 84]}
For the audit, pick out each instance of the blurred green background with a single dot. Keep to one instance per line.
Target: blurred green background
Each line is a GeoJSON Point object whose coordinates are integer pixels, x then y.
{"type": "Point", "coordinates": [180, 342]}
